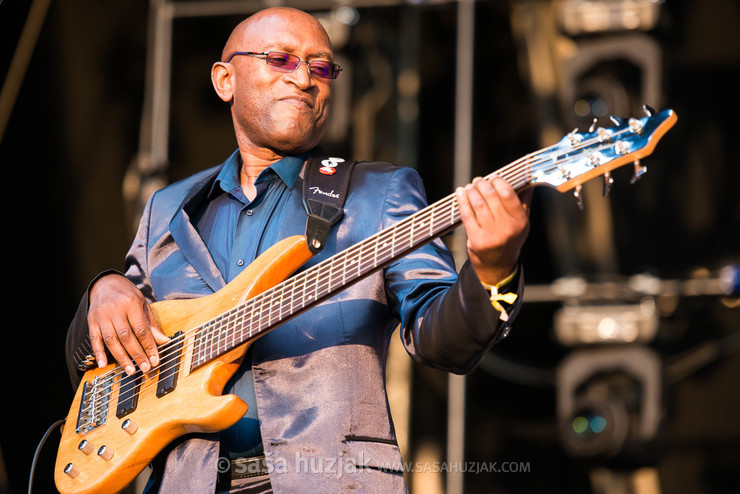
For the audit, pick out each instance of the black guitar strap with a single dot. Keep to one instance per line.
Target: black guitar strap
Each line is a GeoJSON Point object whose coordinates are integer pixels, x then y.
{"type": "Point", "coordinates": [325, 186]}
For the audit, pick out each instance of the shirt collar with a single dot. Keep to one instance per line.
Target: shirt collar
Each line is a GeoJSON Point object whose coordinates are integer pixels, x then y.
{"type": "Point", "coordinates": [286, 169]}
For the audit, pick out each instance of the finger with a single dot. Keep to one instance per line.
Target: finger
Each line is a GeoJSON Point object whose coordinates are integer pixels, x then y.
{"type": "Point", "coordinates": [507, 198]}
{"type": "Point", "coordinates": [96, 340]}
{"type": "Point", "coordinates": [526, 196]}
{"type": "Point", "coordinates": [128, 334]}
{"type": "Point", "coordinates": [467, 215]}
{"type": "Point", "coordinates": [113, 344]}
{"type": "Point", "coordinates": [142, 341]}
{"type": "Point", "coordinates": [159, 336]}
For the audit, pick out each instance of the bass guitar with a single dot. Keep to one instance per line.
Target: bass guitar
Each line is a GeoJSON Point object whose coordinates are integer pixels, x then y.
{"type": "Point", "coordinates": [118, 423]}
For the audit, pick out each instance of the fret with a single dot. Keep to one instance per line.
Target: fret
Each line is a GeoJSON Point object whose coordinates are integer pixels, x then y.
{"type": "Point", "coordinates": [223, 332]}
{"type": "Point", "coordinates": [207, 343]}
{"type": "Point", "coordinates": [331, 274]}
{"type": "Point", "coordinates": [292, 296]}
{"type": "Point", "coordinates": [393, 242]}
{"type": "Point", "coordinates": [277, 306]}
{"type": "Point", "coordinates": [237, 329]}
{"type": "Point", "coordinates": [344, 273]}
{"type": "Point", "coordinates": [375, 253]}
{"type": "Point", "coordinates": [411, 234]}
{"type": "Point", "coordinates": [253, 322]}
{"type": "Point", "coordinates": [358, 260]}
{"type": "Point", "coordinates": [431, 223]}
{"type": "Point", "coordinates": [257, 312]}
{"type": "Point", "coordinates": [218, 336]}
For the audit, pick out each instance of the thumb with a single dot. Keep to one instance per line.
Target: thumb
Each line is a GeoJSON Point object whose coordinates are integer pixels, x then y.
{"type": "Point", "coordinates": [159, 336]}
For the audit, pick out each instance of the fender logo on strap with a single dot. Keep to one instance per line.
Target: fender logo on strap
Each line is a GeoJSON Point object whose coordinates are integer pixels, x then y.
{"type": "Point", "coordinates": [317, 190]}
{"type": "Point", "coordinates": [329, 165]}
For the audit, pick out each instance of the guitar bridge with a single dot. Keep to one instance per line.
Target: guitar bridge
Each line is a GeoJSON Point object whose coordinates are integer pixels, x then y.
{"type": "Point", "coordinates": [94, 404]}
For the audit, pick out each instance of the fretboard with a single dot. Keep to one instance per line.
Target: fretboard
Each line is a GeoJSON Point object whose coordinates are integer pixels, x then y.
{"type": "Point", "coordinates": [307, 288]}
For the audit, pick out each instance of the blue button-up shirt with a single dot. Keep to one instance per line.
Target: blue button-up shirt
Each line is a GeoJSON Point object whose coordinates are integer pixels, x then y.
{"type": "Point", "coordinates": [236, 231]}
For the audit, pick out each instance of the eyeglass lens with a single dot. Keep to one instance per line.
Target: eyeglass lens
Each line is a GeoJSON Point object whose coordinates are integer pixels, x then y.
{"type": "Point", "coordinates": [286, 61]}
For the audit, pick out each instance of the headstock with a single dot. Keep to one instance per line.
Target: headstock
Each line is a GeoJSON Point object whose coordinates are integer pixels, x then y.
{"type": "Point", "coordinates": [579, 157]}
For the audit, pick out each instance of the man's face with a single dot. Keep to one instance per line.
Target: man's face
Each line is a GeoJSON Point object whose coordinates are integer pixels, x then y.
{"type": "Point", "coordinates": [284, 111]}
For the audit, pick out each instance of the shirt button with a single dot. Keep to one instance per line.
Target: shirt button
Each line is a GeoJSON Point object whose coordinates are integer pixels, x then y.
{"type": "Point", "coordinates": [249, 212]}
{"type": "Point", "coordinates": [240, 262]}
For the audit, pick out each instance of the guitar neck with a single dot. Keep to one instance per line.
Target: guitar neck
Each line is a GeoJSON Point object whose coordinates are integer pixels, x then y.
{"type": "Point", "coordinates": [564, 165]}
{"type": "Point", "coordinates": [295, 295]}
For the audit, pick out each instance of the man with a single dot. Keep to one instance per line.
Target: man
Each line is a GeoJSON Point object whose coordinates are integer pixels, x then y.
{"type": "Point", "coordinates": [315, 385]}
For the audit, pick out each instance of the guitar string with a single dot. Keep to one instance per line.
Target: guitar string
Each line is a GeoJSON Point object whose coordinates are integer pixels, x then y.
{"type": "Point", "coordinates": [223, 336]}
{"type": "Point", "coordinates": [270, 316]}
{"type": "Point", "coordinates": [419, 217]}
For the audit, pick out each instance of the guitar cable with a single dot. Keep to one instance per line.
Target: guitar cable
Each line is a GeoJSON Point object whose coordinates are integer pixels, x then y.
{"type": "Point", "coordinates": [58, 423]}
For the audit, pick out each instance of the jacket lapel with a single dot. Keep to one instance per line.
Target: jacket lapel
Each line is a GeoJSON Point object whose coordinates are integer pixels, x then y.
{"type": "Point", "coordinates": [191, 244]}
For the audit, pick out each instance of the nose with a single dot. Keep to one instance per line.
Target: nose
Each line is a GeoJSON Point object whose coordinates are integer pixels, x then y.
{"type": "Point", "coordinates": [302, 77]}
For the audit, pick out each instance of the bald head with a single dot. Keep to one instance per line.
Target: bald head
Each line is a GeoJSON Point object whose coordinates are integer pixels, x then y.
{"type": "Point", "coordinates": [256, 28]}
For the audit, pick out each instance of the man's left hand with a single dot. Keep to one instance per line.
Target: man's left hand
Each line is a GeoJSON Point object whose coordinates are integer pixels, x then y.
{"type": "Point", "coordinates": [496, 222]}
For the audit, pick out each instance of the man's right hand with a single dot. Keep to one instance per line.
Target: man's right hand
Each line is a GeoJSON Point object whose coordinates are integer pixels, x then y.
{"type": "Point", "coordinates": [120, 319]}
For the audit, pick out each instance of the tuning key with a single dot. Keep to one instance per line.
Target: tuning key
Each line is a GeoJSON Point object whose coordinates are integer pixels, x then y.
{"type": "Point", "coordinates": [639, 172]}
{"type": "Point", "coordinates": [618, 121]}
{"type": "Point", "coordinates": [608, 182]}
{"type": "Point", "coordinates": [593, 125]}
{"type": "Point", "coordinates": [574, 137]}
{"type": "Point", "coordinates": [579, 196]}
{"type": "Point", "coordinates": [649, 111]}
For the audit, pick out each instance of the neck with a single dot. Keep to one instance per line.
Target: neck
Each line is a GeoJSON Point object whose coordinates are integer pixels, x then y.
{"type": "Point", "coordinates": [253, 162]}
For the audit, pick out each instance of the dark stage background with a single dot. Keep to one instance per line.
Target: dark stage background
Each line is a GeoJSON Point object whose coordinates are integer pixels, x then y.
{"type": "Point", "coordinates": [73, 137]}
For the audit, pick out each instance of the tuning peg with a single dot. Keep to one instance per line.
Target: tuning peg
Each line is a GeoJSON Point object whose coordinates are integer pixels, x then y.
{"type": "Point", "coordinates": [649, 111]}
{"type": "Point", "coordinates": [608, 182]}
{"type": "Point", "coordinates": [574, 137]}
{"type": "Point", "coordinates": [593, 126]}
{"type": "Point", "coordinates": [579, 196]}
{"type": "Point", "coordinates": [639, 172]}
{"type": "Point", "coordinates": [618, 121]}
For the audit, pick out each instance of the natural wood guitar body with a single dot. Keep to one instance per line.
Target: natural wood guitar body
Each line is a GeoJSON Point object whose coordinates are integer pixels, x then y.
{"type": "Point", "coordinates": [195, 405]}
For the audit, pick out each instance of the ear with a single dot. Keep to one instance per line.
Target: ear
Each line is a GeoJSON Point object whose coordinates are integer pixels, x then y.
{"type": "Point", "coordinates": [221, 73]}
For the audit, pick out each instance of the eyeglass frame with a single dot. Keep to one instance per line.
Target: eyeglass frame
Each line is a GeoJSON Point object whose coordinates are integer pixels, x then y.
{"type": "Point", "coordinates": [335, 68]}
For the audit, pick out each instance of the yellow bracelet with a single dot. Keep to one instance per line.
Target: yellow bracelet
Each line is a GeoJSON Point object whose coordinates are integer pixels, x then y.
{"type": "Point", "coordinates": [497, 297]}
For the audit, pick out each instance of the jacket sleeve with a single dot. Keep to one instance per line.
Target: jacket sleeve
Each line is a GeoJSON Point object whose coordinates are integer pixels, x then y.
{"type": "Point", "coordinates": [446, 318]}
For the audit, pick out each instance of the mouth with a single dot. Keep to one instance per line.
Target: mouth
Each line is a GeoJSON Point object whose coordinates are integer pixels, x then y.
{"type": "Point", "coordinates": [298, 101]}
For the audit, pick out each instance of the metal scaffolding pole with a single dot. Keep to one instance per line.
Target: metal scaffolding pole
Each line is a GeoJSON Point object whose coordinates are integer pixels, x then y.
{"type": "Point", "coordinates": [462, 175]}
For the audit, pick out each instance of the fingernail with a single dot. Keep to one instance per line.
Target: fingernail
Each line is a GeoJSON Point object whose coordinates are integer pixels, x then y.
{"type": "Point", "coordinates": [144, 366]}
{"type": "Point", "coordinates": [129, 369]}
{"type": "Point", "coordinates": [154, 361]}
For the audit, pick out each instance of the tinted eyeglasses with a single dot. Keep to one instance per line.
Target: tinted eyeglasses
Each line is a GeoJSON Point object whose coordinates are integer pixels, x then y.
{"type": "Point", "coordinates": [289, 62]}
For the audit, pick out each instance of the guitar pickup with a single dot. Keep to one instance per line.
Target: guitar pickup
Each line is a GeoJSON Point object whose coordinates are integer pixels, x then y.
{"type": "Point", "coordinates": [128, 393]}
{"type": "Point", "coordinates": [169, 366]}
